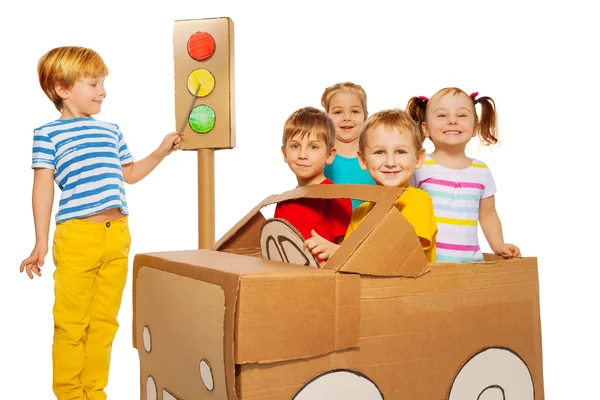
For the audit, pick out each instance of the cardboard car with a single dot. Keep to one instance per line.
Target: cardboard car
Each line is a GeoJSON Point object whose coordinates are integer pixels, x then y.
{"type": "Point", "coordinates": [374, 322]}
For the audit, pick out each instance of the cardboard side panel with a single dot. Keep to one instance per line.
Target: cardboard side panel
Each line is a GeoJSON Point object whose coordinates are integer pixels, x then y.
{"type": "Point", "coordinates": [458, 332]}
{"type": "Point", "coordinates": [181, 326]}
{"type": "Point", "coordinates": [438, 322]}
{"type": "Point", "coordinates": [299, 316]}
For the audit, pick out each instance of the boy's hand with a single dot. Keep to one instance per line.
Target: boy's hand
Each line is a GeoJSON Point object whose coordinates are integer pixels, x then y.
{"type": "Point", "coordinates": [509, 250]}
{"type": "Point", "coordinates": [31, 265]}
{"type": "Point", "coordinates": [170, 143]}
{"type": "Point", "coordinates": [320, 247]}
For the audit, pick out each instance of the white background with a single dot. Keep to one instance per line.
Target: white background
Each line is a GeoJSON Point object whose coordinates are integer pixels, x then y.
{"type": "Point", "coordinates": [537, 61]}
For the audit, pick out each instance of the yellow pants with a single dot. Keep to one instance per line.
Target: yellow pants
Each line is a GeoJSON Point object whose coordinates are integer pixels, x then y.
{"type": "Point", "coordinates": [91, 261]}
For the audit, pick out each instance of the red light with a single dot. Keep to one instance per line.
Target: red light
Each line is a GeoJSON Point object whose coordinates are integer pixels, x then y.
{"type": "Point", "coordinates": [201, 46]}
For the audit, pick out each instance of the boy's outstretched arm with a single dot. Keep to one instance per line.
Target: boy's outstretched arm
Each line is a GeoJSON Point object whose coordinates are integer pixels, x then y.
{"type": "Point", "coordinates": [42, 198]}
{"type": "Point", "coordinates": [492, 229]}
{"type": "Point", "coordinates": [136, 171]}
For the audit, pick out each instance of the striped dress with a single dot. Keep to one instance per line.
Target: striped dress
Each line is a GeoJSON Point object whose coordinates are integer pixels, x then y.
{"type": "Point", "coordinates": [456, 195]}
{"type": "Point", "coordinates": [86, 156]}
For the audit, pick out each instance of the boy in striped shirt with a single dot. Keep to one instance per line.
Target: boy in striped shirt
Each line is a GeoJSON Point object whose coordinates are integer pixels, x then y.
{"type": "Point", "coordinates": [90, 162]}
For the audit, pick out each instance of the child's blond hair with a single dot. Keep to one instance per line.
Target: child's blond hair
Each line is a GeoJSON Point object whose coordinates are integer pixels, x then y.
{"type": "Point", "coordinates": [391, 119]}
{"type": "Point", "coordinates": [64, 66]}
{"type": "Point", "coordinates": [350, 87]}
{"type": "Point", "coordinates": [309, 120]}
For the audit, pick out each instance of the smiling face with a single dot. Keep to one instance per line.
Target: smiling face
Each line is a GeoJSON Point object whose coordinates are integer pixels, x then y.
{"type": "Point", "coordinates": [306, 156]}
{"type": "Point", "coordinates": [346, 111]}
{"type": "Point", "coordinates": [390, 155]}
{"type": "Point", "coordinates": [450, 121]}
{"type": "Point", "coordinates": [84, 99]}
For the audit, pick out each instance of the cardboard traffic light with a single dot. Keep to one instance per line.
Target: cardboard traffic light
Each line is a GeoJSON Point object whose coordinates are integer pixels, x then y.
{"type": "Point", "coordinates": [204, 60]}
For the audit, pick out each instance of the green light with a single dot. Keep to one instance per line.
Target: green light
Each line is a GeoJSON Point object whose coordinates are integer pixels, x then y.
{"type": "Point", "coordinates": [202, 119]}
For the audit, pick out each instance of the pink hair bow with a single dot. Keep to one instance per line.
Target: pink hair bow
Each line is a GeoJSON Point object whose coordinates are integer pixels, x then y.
{"type": "Point", "coordinates": [423, 98]}
{"type": "Point", "coordinates": [474, 95]}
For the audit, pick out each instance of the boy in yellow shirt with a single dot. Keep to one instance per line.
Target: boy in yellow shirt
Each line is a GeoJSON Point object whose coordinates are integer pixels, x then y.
{"type": "Point", "coordinates": [390, 149]}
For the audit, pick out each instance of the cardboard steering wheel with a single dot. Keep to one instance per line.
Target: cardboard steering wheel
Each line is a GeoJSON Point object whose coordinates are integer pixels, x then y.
{"type": "Point", "coordinates": [280, 241]}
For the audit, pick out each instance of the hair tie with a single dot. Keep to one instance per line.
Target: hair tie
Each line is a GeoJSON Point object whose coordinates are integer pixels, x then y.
{"type": "Point", "coordinates": [474, 96]}
{"type": "Point", "coordinates": [424, 99]}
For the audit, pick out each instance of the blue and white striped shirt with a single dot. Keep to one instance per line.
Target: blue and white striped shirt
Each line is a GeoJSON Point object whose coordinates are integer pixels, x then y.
{"type": "Point", "coordinates": [86, 156]}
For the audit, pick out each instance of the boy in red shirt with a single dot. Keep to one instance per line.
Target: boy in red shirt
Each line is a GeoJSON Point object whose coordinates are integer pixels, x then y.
{"type": "Point", "coordinates": [308, 144]}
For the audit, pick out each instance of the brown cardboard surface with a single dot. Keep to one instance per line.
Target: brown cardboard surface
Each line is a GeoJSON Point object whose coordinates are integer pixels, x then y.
{"type": "Point", "coordinates": [391, 248]}
{"type": "Point", "coordinates": [462, 309]}
{"type": "Point", "coordinates": [416, 334]}
{"type": "Point", "coordinates": [176, 293]}
{"type": "Point", "coordinates": [296, 314]}
{"type": "Point", "coordinates": [170, 335]}
{"type": "Point", "coordinates": [384, 221]}
{"type": "Point", "coordinates": [221, 66]}
{"type": "Point", "coordinates": [245, 251]}
{"type": "Point", "coordinates": [186, 264]}
{"type": "Point", "coordinates": [281, 380]}
{"type": "Point", "coordinates": [206, 198]}
{"type": "Point", "coordinates": [412, 330]}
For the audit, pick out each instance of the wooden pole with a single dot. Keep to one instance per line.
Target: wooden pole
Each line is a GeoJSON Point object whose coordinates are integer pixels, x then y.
{"type": "Point", "coordinates": [206, 198]}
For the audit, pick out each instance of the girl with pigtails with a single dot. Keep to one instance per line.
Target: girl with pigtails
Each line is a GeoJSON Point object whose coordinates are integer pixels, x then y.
{"type": "Point", "coordinates": [462, 188]}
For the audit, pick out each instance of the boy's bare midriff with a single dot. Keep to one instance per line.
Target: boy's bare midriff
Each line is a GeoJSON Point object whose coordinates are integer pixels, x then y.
{"type": "Point", "coordinates": [110, 214]}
